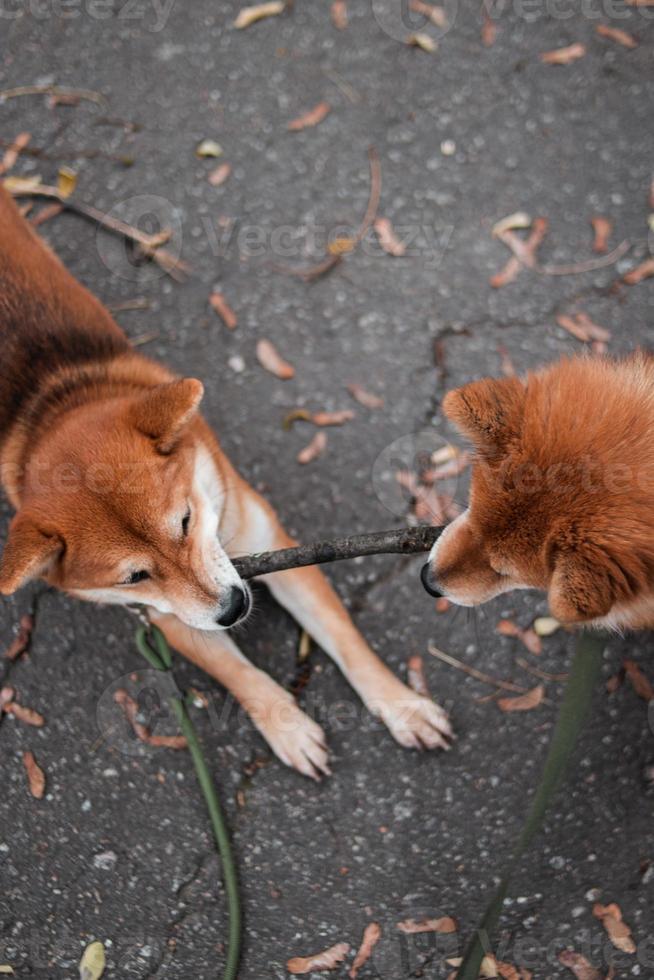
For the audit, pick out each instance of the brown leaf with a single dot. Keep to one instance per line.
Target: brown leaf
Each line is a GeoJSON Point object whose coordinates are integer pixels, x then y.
{"type": "Point", "coordinates": [333, 418]}
{"type": "Point", "coordinates": [7, 694]}
{"type": "Point", "coordinates": [582, 327]}
{"type": "Point", "coordinates": [315, 449]}
{"type": "Point", "coordinates": [410, 927]}
{"type": "Point", "coordinates": [371, 936]}
{"type": "Point", "coordinates": [365, 398]}
{"type": "Point", "coordinates": [220, 174]}
{"type": "Point", "coordinates": [271, 360]}
{"type": "Point", "coordinates": [224, 310]}
{"type": "Point", "coordinates": [130, 707]}
{"type": "Point", "coordinates": [446, 471]}
{"type": "Point", "coordinates": [21, 644]}
{"type": "Point", "coordinates": [488, 31]}
{"type": "Point", "coordinates": [416, 676]}
{"type": "Point", "coordinates": [27, 715]}
{"type": "Point", "coordinates": [642, 271]}
{"type": "Point", "coordinates": [388, 239]}
{"type": "Point", "coordinates": [506, 363]}
{"type": "Point", "coordinates": [618, 931]}
{"type": "Point", "coordinates": [339, 14]}
{"type": "Point", "coordinates": [579, 965]}
{"type": "Point", "coordinates": [250, 15]}
{"type": "Point", "coordinates": [639, 681]}
{"type": "Point", "coordinates": [436, 15]}
{"type": "Point", "coordinates": [523, 702]}
{"type": "Point", "coordinates": [602, 228]}
{"type": "Point", "coordinates": [319, 962]}
{"type": "Point", "coordinates": [524, 251]}
{"type": "Point", "coordinates": [296, 415]}
{"type": "Point", "coordinates": [35, 775]}
{"type": "Point", "coordinates": [615, 34]}
{"type": "Point", "coordinates": [564, 56]}
{"type": "Point", "coordinates": [310, 118]}
{"type": "Point", "coordinates": [11, 154]}
{"type": "Point", "coordinates": [531, 639]}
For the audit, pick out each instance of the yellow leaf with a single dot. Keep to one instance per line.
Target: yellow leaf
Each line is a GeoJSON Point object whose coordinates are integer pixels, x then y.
{"type": "Point", "coordinates": [19, 185]}
{"type": "Point", "coordinates": [92, 963]}
{"type": "Point", "coordinates": [5, 968]}
{"type": "Point", "coordinates": [340, 246]}
{"type": "Point", "coordinates": [66, 181]}
{"type": "Point", "coordinates": [250, 15]}
{"type": "Point", "coordinates": [546, 625]}
{"type": "Point", "coordinates": [208, 148]}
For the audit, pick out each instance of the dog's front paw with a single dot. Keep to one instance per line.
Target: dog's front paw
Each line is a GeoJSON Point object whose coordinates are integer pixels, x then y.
{"type": "Point", "coordinates": [294, 737]}
{"type": "Point", "coordinates": [416, 722]}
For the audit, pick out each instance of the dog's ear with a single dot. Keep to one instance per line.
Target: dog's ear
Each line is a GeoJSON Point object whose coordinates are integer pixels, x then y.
{"type": "Point", "coordinates": [163, 413]}
{"type": "Point", "coordinates": [488, 412]}
{"type": "Point", "coordinates": [583, 585]}
{"type": "Point", "coordinates": [29, 552]}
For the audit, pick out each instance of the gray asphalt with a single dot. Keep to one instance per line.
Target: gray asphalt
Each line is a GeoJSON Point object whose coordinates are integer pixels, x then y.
{"type": "Point", "coordinates": [119, 849]}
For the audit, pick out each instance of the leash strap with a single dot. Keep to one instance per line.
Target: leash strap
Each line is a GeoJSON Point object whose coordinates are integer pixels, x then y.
{"type": "Point", "coordinates": [573, 712]}
{"type": "Point", "coordinates": [152, 644]}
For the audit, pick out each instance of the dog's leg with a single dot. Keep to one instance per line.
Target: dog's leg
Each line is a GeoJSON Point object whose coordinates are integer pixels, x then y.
{"type": "Point", "coordinates": [415, 721]}
{"type": "Point", "coordinates": [294, 737]}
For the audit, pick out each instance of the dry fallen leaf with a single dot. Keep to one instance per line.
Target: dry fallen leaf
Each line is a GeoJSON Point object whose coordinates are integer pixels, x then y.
{"type": "Point", "coordinates": [341, 246]}
{"type": "Point", "coordinates": [46, 214]}
{"type": "Point", "coordinates": [506, 364]}
{"type": "Point", "coordinates": [546, 625]}
{"type": "Point", "coordinates": [602, 228]}
{"type": "Point", "coordinates": [35, 775]}
{"type": "Point", "coordinates": [436, 15]}
{"type": "Point", "coordinates": [529, 637]}
{"type": "Point", "coordinates": [339, 14]}
{"type": "Point", "coordinates": [639, 681]}
{"type": "Point", "coordinates": [371, 937]}
{"type": "Point", "coordinates": [208, 148]}
{"type": "Point", "coordinates": [296, 415]}
{"type": "Point", "coordinates": [220, 174]}
{"type": "Point", "coordinates": [487, 968]}
{"type": "Point", "coordinates": [93, 962]}
{"type": "Point", "coordinates": [310, 118]}
{"type": "Point", "coordinates": [315, 449]}
{"type": "Point", "coordinates": [387, 237]}
{"type": "Point", "coordinates": [446, 471]}
{"type": "Point", "coordinates": [27, 715]}
{"type": "Point", "coordinates": [19, 185]}
{"type": "Point", "coordinates": [582, 327]}
{"type": "Point", "coordinates": [615, 34]}
{"type": "Point", "coordinates": [11, 154]}
{"type": "Point", "coordinates": [66, 182]}
{"type": "Point", "coordinates": [250, 15]}
{"type": "Point", "coordinates": [333, 418]}
{"type": "Point", "coordinates": [363, 397]}
{"type": "Point", "coordinates": [130, 707]}
{"type": "Point", "coordinates": [328, 960]}
{"type": "Point", "coordinates": [410, 927]}
{"type": "Point", "coordinates": [523, 702]}
{"type": "Point", "coordinates": [6, 969]}
{"type": "Point", "coordinates": [224, 310]}
{"type": "Point", "coordinates": [618, 931]}
{"type": "Point", "coordinates": [272, 361]}
{"type": "Point", "coordinates": [524, 252]}
{"type": "Point", "coordinates": [488, 31]}
{"type": "Point", "coordinates": [422, 41]}
{"type": "Point", "coordinates": [416, 676]}
{"type": "Point", "coordinates": [564, 56]}
{"type": "Point", "coordinates": [642, 271]}
{"type": "Point", "coordinates": [518, 221]}
{"type": "Point", "coordinates": [579, 965]}
{"type": "Point", "coordinates": [22, 641]}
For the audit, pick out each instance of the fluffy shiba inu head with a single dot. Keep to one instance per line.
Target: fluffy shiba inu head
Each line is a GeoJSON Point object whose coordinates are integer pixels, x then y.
{"type": "Point", "coordinates": [121, 502]}
{"type": "Point", "coordinates": [562, 492]}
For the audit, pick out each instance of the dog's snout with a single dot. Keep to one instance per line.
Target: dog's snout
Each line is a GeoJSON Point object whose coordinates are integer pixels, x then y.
{"type": "Point", "coordinates": [428, 581]}
{"type": "Point", "coordinates": [237, 606]}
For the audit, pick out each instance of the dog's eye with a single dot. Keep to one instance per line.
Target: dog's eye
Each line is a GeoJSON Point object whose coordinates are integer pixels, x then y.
{"type": "Point", "coordinates": [136, 577]}
{"type": "Point", "coordinates": [186, 523]}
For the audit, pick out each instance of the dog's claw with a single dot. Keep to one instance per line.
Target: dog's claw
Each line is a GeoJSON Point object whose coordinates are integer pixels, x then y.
{"type": "Point", "coordinates": [415, 721]}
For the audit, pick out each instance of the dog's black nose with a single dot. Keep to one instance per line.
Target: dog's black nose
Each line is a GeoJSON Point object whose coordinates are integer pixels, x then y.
{"type": "Point", "coordinates": [427, 581]}
{"type": "Point", "coordinates": [236, 607]}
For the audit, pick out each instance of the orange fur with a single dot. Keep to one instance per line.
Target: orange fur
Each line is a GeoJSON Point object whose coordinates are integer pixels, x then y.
{"type": "Point", "coordinates": [562, 494]}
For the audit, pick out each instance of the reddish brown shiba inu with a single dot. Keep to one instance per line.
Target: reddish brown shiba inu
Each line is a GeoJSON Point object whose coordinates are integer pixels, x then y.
{"type": "Point", "coordinates": [562, 495]}
{"type": "Point", "coordinates": [122, 495]}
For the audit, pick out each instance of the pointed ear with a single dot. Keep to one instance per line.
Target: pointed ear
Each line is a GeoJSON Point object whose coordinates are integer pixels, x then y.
{"type": "Point", "coordinates": [488, 412]}
{"type": "Point", "coordinates": [163, 413]}
{"type": "Point", "coordinates": [29, 552]}
{"type": "Point", "coordinates": [582, 586]}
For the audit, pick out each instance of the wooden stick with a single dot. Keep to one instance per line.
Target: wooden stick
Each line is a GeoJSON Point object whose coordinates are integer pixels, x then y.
{"type": "Point", "coordinates": [404, 541]}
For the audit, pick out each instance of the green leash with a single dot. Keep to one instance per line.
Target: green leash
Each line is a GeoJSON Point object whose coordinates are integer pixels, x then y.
{"type": "Point", "coordinates": [572, 716]}
{"type": "Point", "coordinates": [153, 645]}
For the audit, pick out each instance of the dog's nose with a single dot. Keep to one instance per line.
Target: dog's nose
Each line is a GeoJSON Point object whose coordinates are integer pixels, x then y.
{"type": "Point", "coordinates": [428, 582]}
{"type": "Point", "coordinates": [236, 606]}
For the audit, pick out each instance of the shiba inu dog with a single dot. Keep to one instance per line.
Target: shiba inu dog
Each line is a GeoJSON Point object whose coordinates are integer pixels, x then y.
{"type": "Point", "coordinates": [122, 495]}
{"type": "Point", "coordinates": [562, 493]}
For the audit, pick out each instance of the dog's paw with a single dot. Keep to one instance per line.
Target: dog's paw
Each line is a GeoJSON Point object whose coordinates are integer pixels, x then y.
{"type": "Point", "coordinates": [294, 737]}
{"type": "Point", "coordinates": [416, 722]}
